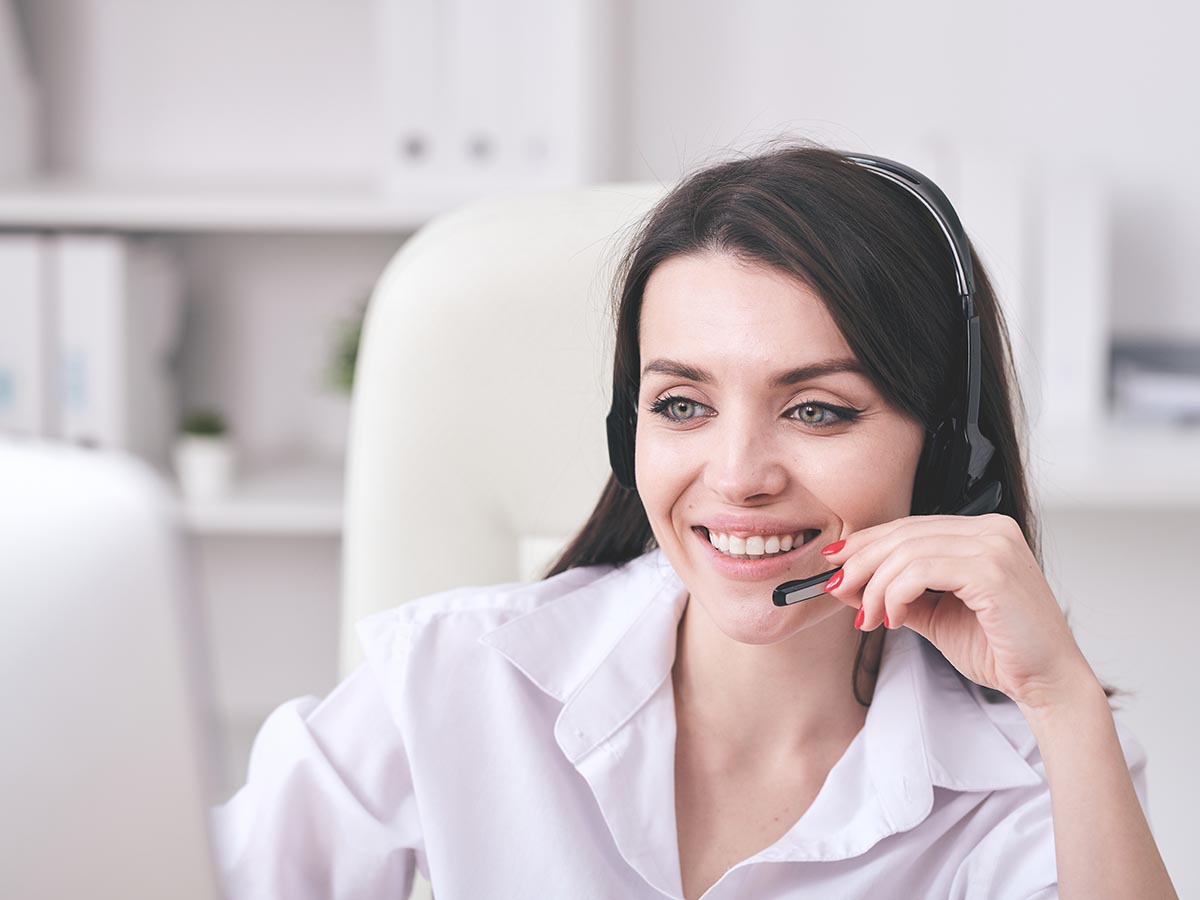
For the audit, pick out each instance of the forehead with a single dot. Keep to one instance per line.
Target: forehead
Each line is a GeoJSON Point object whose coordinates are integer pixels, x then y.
{"type": "Point", "coordinates": [715, 309]}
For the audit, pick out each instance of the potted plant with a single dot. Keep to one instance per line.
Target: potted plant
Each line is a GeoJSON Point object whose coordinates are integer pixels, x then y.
{"type": "Point", "coordinates": [328, 418]}
{"type": "Point", "coordinates": [203, 455]}
{"type": "Point", "coordinates": [345, 352]}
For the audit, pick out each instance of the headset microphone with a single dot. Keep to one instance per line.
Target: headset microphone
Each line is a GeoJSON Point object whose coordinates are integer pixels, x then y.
{"type": "Point", "coordinates": [955, 454]}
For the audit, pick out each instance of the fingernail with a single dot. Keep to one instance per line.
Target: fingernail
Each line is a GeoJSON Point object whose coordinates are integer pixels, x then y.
{"type": "Point", "coordinates": [834, 547]}
{"type": "Point", "coordinates": [885, 621]}
{"type": "Point", "coordinates": [835, 580]}
{"type": "Point", "coordinates": [858, 620]}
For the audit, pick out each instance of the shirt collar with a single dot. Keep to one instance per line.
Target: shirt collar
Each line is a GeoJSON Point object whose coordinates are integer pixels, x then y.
{"type": "Point", "coordinates": [605, 648]}
{"type": "Point", "coordinates": [600, 649]}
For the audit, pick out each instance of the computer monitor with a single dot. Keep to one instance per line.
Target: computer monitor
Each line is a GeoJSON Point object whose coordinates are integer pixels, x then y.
{"type": "Point", "coordinates": [104, 762]}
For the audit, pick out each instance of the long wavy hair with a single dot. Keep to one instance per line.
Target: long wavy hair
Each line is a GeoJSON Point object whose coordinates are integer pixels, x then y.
{"type": "Point", "coordinates": [884, 271]}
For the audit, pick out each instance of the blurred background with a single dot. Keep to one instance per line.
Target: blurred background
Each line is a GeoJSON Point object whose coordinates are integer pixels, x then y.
{"type": "Point", "coordinates": [196, 200]}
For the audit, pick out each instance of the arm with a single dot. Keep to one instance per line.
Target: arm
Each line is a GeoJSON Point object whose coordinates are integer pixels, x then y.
{"type": "Point", "coordinates": [327, 810]}
{"type": "Point", "coordinates": [1102, 843]}
{"type": "Point", "coordinates": [973, 588]}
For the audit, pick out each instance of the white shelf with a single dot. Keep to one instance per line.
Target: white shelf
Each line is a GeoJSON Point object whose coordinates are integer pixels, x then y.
{"type": "Point", "coordinates": [346, 206]}
{"type": "Point", "coordinates": [1116, 465]}
{"type": "Point", "coordinates": [292, 499]}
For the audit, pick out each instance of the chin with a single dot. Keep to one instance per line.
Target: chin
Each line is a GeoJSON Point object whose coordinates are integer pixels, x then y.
{"type": "Point", "coordinates": [748, 616]}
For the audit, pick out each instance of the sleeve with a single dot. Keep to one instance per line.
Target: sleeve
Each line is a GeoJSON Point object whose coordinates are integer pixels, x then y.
{"type": "Point", "coordinates": [327, 810]}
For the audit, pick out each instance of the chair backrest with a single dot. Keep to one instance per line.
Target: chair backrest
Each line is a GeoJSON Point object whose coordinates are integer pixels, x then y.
{"type": "Point", "coordinates": [477, 444]}
{"type": "Point", "coordinates": [104, 764]}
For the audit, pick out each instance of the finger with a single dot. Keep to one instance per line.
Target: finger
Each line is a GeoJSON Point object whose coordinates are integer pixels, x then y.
{"type": "Point", "coordinates": [889, 533]}
{"type": "Point", "coordinates": [866, 574]}
{"type": "Point", "coordinates": [966, 577]}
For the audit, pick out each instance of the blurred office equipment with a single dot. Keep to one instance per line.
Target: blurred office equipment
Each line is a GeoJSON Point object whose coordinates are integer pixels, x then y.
{"type": "Point", "coordinates": [103, 766]}
{"type": "Point", "coordinates": [1156, 381]}
{"type": "Point", "coordinates": [480, 96]}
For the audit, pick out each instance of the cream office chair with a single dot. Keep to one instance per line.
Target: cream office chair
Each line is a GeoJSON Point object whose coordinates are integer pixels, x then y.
{"type": "Point", "coordinates": [477, 441]}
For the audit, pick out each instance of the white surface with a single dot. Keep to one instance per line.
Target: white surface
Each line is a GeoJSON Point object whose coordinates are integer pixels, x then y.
{"type": "Point", "coordinates": [1117, 466]}
{"type": "Point", "coordinates": [293, 498]}
{"type": "Point", "coordinates": [102, 766]}
{"type": "Point", "coordinates": [227, 205]}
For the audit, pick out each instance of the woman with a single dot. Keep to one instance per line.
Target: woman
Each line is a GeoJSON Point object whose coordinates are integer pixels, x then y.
{"type": "Point", "coordinates": [645, 722]}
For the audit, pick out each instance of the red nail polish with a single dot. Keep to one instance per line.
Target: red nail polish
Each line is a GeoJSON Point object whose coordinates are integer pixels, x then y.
{"type": "Point", "coordinates": [834, 581]}
{"type": "Point", "coordinates": [886, 624]}
{"type": "Point", "coordinates": [858, 620]}
{"type": "Point", "coordinates": [834, 547]}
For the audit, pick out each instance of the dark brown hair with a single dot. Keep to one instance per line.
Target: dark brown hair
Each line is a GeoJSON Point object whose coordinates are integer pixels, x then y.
{"type": "Point", "coordinates": [884, 270]}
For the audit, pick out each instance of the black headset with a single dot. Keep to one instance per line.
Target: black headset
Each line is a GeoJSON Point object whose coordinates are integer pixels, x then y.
{"type": "Point", "coordinates": [955, 456]}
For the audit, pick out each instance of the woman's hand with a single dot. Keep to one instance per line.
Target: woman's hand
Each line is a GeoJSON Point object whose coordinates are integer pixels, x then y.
{"type": "Point", "coordinates": [971, 586]}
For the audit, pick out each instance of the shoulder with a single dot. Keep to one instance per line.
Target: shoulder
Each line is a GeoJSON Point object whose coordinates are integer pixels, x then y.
{"type": "Point", "coordinates": [460, 616]}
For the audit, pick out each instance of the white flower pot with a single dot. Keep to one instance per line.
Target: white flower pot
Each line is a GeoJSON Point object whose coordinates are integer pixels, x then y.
{"type": "Point", "coordinates": [204, 466]}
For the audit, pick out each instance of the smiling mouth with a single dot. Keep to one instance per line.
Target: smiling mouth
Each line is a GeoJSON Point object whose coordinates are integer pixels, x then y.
{"type": "Point", "coordinates": [756, 547]}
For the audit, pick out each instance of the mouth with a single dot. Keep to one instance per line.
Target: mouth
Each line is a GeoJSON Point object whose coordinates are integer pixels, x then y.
{"type": "Point", "coordinates": [756, 548]}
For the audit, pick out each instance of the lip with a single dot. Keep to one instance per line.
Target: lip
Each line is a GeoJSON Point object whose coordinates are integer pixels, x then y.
{"type": "Point", "coordinates": [756, 569]}
{"type": "Point", "coordinates": [748, 526]}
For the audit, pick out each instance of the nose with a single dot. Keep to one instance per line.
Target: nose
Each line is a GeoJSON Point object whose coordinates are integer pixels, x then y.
{"type": "Point", "coordinates": [745, 462]}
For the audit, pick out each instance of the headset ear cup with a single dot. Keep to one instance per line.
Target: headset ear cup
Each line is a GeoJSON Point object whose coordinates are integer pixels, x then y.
{"type": "Point", "coordinates": [930, 487]}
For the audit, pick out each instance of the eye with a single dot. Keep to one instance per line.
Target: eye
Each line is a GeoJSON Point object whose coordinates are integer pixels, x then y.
{"type": "Point", "coordinates": [676, 409]}
{"type": "Point", "coordinates": [823, 415]}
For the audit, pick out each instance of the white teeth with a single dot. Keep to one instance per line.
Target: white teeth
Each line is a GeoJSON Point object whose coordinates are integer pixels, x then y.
{"type": "Point", "coordinates": [755, 546]}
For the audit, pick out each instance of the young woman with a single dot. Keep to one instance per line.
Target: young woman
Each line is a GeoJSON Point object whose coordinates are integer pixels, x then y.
{"type": "Point", "coordinates": [646, 722]}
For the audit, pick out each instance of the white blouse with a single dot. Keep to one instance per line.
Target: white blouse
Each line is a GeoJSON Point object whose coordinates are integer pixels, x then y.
{"type": "Point", "coordinates": [518, 741]}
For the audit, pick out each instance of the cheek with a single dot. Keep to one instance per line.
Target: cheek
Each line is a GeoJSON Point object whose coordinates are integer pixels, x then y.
{"type": "Point", "coordinates": [867, 483]}
{"type": "Point", "coordinates": [663, 470]}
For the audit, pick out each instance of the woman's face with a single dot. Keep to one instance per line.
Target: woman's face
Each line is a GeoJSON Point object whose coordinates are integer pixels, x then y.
{"type": "Point", "coordinates": [741, 447]}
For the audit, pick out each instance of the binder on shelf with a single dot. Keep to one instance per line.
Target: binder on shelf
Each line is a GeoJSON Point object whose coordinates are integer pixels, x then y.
{"type": "Point", "coordinates": [1074, 299]}
{"type": "Point", "coordinates": [25, 322]}
{"type": "Point", "coordinates": [119, 309]}
{"type": "Point", "coordinates": [479, 97]}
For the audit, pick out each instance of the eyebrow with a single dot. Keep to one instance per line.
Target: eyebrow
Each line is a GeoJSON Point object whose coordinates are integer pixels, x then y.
{"type": "Point", "coordinates": [783, 379]}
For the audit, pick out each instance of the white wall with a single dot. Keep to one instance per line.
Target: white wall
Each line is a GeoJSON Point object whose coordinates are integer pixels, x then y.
{"type": "Point", "coordinates": [1109, 86]}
